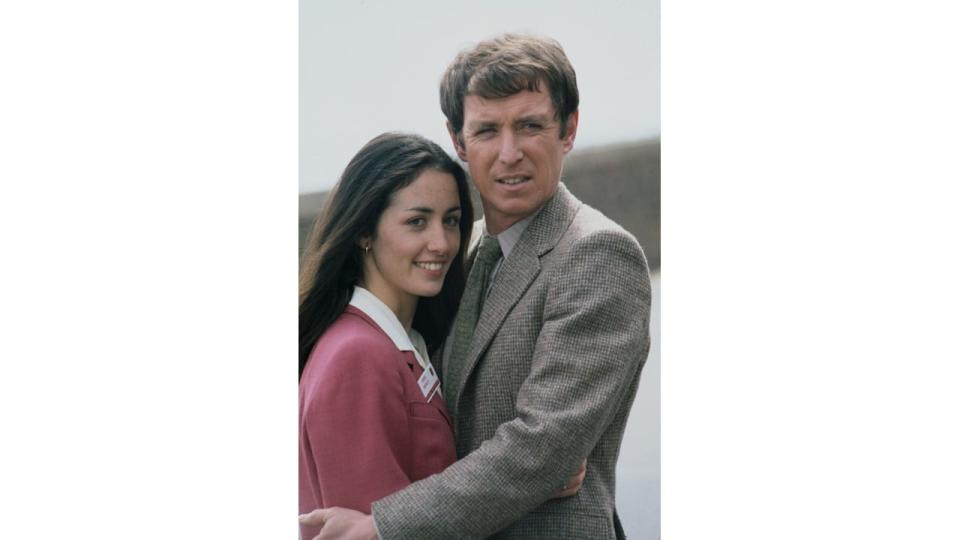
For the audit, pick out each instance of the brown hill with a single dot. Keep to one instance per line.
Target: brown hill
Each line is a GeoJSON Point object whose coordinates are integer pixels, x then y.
{"type": "Point", "coordinates": [622, 181]}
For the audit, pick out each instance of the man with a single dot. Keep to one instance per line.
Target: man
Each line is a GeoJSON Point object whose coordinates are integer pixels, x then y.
{"type": "Point", "coordinates": [548, 372]}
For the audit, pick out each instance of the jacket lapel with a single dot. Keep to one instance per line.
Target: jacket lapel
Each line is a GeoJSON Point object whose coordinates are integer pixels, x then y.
{"type": "Point", "coordinates": [479, 229]}
{"type": "Point", "coordinates": [515, 276]}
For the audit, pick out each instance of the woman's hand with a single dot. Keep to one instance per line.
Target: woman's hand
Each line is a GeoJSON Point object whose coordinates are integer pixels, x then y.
{"type": "Point", "coordinates": [572, 485]}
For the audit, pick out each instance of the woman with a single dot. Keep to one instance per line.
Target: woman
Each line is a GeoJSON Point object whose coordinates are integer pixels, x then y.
{"type": "Point", "coordinates": [380, 284]}
{"type": "Point", "coordinates": [374, 307]}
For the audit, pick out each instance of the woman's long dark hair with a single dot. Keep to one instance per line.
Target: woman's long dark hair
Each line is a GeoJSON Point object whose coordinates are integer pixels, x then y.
{"type": "Point", "coordinates": [333, 262]}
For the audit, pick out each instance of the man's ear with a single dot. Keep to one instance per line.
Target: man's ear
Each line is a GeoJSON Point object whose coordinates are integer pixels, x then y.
{"type": "Point", "coordinates": [571, 133]}
{"type": "Point", "coordinates": [457, 143]}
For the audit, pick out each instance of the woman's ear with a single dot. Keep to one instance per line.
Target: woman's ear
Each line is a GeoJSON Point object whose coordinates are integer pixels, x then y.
{"type": "Point", "coordinates": [364, 243]}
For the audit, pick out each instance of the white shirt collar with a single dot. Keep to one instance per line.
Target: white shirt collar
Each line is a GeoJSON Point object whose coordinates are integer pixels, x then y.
{"type": "Point", "coordinates": [387, 320]}
{"type": "Point", "coordinates": [508, 238]}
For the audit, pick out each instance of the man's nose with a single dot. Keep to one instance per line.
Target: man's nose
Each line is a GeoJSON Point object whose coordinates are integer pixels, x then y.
{"type": "Point", "coordinates": [510, 148]}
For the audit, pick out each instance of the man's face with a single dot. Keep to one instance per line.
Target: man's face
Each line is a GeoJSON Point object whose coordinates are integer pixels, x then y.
{"type": "Point", "coordinates": [515, 154]}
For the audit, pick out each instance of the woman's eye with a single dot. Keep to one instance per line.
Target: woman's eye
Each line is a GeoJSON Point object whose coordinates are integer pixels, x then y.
{"type": "Point", "coordinates": [416, 221]}
{"type": "Point", "coordinates": [452, 221]}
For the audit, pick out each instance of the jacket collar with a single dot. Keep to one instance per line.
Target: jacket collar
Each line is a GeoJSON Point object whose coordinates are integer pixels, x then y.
{"type": "Point", "coordinates": [388, 322]}
{"type": "Point", "coordinates": [515, 276]}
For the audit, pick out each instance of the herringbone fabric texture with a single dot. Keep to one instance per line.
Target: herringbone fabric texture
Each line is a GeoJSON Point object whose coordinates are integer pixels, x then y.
{"type": "Point", "coordinates": [472, 303]}
{"type": "Point", "coordinates": [548, 379]}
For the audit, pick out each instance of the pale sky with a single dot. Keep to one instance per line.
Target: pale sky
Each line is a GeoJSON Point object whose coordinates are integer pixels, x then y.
{"type": "Point", "coordinates": [372, 66]}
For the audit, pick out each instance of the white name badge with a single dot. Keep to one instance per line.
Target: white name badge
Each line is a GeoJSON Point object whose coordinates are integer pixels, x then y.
{"type": "Point", "coordinates": [428, 381]}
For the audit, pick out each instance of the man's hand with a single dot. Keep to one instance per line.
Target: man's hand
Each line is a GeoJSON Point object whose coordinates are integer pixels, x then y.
{"type": "Point", "coordinates": [340, 524]}
{"type": "Point", "coordinates": [572, 485]}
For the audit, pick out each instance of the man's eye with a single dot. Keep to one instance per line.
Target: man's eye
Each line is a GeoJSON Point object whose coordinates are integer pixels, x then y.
{"type": "Point", "coordinates": [531, 126]}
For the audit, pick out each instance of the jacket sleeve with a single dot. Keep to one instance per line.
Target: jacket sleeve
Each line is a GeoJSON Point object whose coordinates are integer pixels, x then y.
{"type": "Point", "coordinates": [594, 338]}
{"type": "Point", "coordinates": [356, 428]}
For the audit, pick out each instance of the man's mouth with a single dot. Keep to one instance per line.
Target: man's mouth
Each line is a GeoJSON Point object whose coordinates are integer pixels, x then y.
{"type": "Point", "coordinates": [513, 180]}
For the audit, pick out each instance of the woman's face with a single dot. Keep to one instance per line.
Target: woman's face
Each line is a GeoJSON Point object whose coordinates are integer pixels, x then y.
{"type": "Point", "coordinates": [417, 238]}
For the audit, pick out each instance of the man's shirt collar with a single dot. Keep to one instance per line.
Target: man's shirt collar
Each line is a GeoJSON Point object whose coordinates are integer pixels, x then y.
{"type": "Point", "coordinates": [508, 238]}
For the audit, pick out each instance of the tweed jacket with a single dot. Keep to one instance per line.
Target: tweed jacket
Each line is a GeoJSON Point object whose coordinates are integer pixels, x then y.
{"type": "Point", "coordinates": [549, 379]}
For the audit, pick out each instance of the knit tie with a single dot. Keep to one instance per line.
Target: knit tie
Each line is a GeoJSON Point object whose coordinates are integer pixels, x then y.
{"type": "Point", "coordinates": [470, 306]}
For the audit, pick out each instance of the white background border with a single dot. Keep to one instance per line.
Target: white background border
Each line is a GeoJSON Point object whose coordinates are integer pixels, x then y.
{"type": "Point", "coordinates": [148, 217]}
